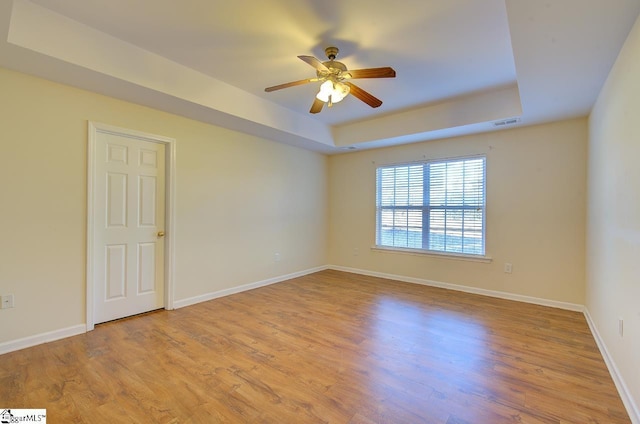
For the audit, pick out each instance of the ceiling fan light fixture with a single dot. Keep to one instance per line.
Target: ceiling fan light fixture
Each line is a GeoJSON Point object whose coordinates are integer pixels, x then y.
{"type": "Point", "coordinates": [331, 92]}
{"type": "Point", "coordinates": [326, 88]}
{"type": "Point", "coordinates": [340, 91]}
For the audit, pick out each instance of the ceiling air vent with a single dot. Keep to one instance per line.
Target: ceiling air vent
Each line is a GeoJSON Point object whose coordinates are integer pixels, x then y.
{"type": "Point", "coordinates": [506, 122]}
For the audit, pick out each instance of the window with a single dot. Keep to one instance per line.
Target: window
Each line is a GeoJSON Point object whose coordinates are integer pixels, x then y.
{"type": "Point", "coordinates": [434, 206]}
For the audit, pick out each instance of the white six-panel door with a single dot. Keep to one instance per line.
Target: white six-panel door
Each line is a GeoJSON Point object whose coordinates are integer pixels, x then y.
{"type": "Point", "coordinates": [128, 226]}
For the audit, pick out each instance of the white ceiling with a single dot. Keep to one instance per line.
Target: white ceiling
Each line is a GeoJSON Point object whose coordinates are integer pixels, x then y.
{"type": "Point", "coordinates": [461, 64]}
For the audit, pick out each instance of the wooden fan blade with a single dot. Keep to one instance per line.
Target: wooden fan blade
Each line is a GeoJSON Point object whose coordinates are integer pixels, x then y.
{"type": "Point", "coordinates": [319, 66]}
{"type": "Point", "coordinates": [290, 84]}
{"type": "Point", "coordinates": [363, 95]}
{"type": "Point", "coordinates": [316, 107]}
{"type": "Point", "coordinates": [385, 72]}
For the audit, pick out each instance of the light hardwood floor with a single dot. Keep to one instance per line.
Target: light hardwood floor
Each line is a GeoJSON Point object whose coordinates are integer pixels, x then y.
{"type": "Point", "coordinates": [330, 347]}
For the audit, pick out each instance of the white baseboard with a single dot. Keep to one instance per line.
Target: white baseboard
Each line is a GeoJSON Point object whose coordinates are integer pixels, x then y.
{"type": "Point", "coordinates": [467, 289]}
{"type": "Point", "coordinates": [233, 290]}
{"type": "Point", "coordinates": [625, 395]}
{"type": "Point", "coordinates": [37, 339]}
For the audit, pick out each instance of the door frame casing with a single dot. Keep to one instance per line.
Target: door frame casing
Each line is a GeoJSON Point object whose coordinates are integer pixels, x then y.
{"type": "Point", "coordinates": [94, 128]}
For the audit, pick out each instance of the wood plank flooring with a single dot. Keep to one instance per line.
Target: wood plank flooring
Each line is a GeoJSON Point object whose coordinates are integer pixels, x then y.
{"type": "Point", "coordinates": [330, 347]}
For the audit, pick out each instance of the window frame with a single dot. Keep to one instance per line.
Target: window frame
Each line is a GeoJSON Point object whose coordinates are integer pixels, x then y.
{"type": "Point", "coordinates": [427, 209]}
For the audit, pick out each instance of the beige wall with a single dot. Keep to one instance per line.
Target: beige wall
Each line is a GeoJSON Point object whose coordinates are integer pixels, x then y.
{"type": "Point", "coordinates": [240, 199]}
{"type": "Point", "coordinates": [613, 227]}
{"type": "Point", "coordinates": [536, 188]}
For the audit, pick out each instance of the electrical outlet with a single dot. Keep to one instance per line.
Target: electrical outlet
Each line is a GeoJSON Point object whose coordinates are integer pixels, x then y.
{"type": "Point", "coordinates": [508, 268]}
{"type": "Point", "coordinates": [6, 301]}
{"type": "Point", "coordinates": [356, 251]}
{"type": "Point", "coordinates": [276, 257]}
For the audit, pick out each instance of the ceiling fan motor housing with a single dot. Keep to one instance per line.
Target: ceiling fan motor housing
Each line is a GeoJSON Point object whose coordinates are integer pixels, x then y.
{"type": "Point", "coordinates": [334, 66]}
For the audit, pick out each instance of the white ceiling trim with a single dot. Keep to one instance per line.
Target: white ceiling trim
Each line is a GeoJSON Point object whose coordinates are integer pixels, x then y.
{"type": "Point", "coordinates": [447, 118]}
{"type": "Point", "coordinates": [77, 44]}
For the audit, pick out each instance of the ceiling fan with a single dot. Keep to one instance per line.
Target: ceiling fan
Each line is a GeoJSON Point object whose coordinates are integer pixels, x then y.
{"type": "Point", "coordinates": [334, 76]}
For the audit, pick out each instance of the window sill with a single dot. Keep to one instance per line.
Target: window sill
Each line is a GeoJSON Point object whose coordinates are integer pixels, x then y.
{"type": "Point", "coordinates": [443, 255]}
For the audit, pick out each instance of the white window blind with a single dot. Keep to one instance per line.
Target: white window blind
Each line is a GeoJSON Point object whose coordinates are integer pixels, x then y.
{"type": "Point", "coordinates": [436, 205]}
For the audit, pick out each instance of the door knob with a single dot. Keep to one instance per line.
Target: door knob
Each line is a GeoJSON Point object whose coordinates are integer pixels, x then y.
{"type": "Point", "coordinates": [160, 233]}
